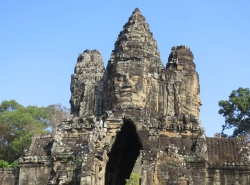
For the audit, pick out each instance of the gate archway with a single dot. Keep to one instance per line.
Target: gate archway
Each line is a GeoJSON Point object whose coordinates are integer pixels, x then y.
{"type": "Point", "coordinates": [123, 155]}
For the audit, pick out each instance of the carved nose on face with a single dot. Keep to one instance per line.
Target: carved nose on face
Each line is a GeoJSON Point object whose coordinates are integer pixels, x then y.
{"type": "Point", "coordinates": [199, 101]}
{"type": "Point", "coordinates": [126, 84]}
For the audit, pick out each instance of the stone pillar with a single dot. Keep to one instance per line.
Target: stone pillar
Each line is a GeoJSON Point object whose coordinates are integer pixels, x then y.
{"type": "Point", "coordinates": [93, 168]}
{"type": "Point", "coordinates": [87, 170]}
{"type": "Point", "coordinates": [216, 177]}
{"type": "Point", "coordinates": [148, 167]}
{"type": "Point", "coordinates": [86, 180]}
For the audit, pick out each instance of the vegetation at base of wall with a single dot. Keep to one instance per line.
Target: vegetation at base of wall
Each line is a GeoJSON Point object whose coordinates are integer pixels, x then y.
{"type": "Point", "coordinates": [236, 111]}
{"type": "Point", "coordinates": [5, 164]}
{"type": "Point", "coordinates": [134, 179]}
{"type": "Point", "coordinates": [18, 124]}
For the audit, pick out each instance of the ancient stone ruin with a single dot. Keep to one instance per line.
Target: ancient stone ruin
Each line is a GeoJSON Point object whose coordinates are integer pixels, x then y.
{"type": "Point", "coordinates": [135, 117]}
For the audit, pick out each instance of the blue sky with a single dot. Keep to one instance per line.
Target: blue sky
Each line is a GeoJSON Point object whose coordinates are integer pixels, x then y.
{"type": "Point", "coordinates": [40, 42]}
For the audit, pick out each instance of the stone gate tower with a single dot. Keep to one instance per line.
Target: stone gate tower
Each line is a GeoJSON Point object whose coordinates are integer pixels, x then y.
{"type": "Point", "coordinates": [135, 116]}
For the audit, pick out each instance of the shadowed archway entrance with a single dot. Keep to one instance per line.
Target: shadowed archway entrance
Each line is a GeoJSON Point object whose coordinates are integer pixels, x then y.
{"type": "Point", "coordinates": [123, 155]}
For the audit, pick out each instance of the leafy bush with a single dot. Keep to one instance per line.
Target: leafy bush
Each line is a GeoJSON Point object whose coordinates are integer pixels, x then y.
{"type": "Point", "coordinates": [134, 179]}
{"type": "Point", "coordinates": [15, 164]}
{"type": "Point", "coordinates": [5, 164]}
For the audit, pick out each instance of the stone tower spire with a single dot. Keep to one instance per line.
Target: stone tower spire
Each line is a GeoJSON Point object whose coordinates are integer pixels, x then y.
{"type": "Point", "coordinates": [181, 61]}
{"type": "Point", "coordinates": [133, 64]}
{"type": "Point", "coordinates": [135, 41]}
{"type": "Point", "coordinates": [88, 72]}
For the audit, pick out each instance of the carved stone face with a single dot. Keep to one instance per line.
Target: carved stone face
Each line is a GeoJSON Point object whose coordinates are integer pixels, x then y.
{"type": "Point", "coordinates": [196, 102]}
{"type": "Point", "coordinates": [129, 85]}
{"type": "Point", "coordinates": [191, 96]}
{"type": "Point", "coordinates": [197, 105]}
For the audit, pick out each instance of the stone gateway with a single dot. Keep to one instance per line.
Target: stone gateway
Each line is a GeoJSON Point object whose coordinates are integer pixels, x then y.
{"type": "Point", "coordinates": [135, 118]}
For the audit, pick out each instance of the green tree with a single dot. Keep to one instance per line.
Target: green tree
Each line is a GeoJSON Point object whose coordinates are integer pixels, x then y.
{"type": "Point", "coordinates": [236, 111]}
{"type": "Point", "coordinates": [17, 126]}
{"type": "Point", "coordinates": [55, 113]}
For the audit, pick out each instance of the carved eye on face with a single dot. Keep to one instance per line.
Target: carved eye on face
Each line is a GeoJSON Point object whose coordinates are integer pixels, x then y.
{"type": "Point", "coordinates": [134, 78]}
{"type": "Point", "coordinates": [119, 78]}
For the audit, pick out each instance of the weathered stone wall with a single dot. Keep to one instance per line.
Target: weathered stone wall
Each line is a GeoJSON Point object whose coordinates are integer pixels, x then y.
{"type": "Point", "coordinates": [34, 174]}
{"type": "Point", "coordinates": [9, 176]}
{"type": "Point", "coordinates": [36, 166]}
{"type": "Point", "coordinates": [228, 175]}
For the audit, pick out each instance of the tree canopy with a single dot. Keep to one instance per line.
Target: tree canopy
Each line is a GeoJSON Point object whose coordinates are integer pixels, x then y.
{"type": "Point", "coordinates": [18, 124]}
{"type": "Point", "coordinates": [236, 111]}
{"type": "Point", "coordinates": [55, 114]}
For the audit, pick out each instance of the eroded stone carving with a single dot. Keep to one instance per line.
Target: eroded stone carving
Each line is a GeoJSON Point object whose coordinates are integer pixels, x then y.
{"type": "Point", "coordinates": [89, 70]}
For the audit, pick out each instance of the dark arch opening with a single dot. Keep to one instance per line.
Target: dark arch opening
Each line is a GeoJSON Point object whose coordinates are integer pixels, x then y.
{"type": "Point", "coordinates": [123, 155]}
